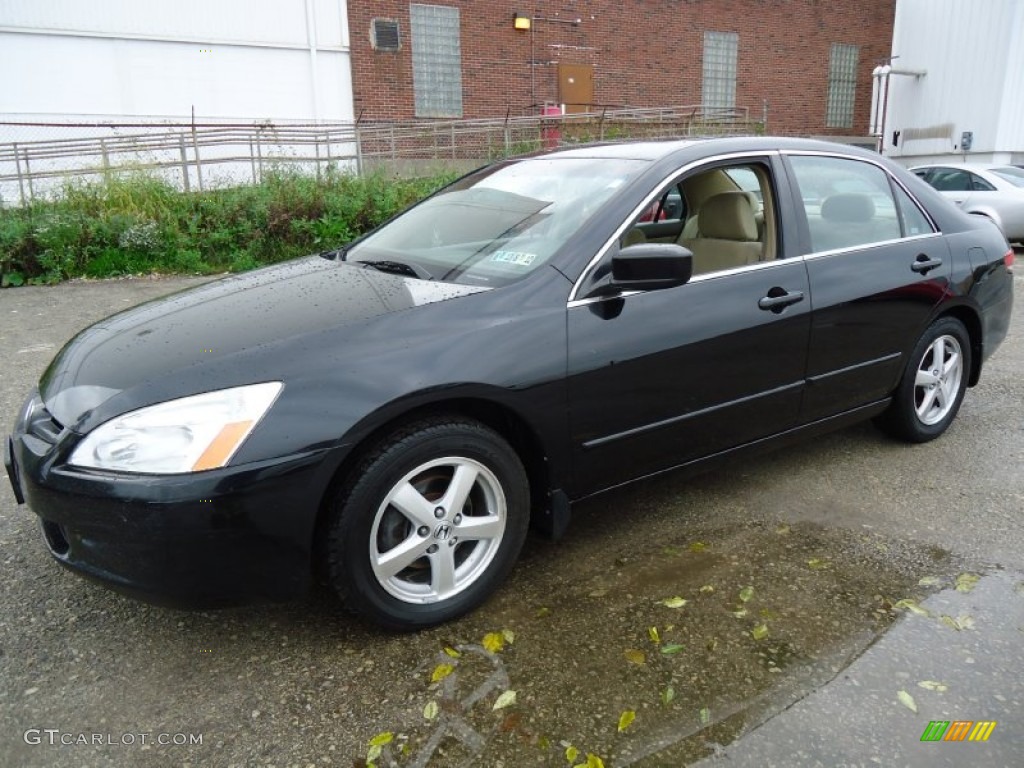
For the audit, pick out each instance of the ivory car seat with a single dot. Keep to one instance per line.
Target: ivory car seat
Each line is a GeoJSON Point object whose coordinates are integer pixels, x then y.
{"type": "Point", "coordinates": [728, 234]}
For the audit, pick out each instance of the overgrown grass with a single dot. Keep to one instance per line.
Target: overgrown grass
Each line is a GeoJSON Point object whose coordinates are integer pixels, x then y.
{"type": "Point", "coordinates": [140, 224]}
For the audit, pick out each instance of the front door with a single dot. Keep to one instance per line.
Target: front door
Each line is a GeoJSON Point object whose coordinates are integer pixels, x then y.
{"type": "Point", "coordinates": [659, 378]}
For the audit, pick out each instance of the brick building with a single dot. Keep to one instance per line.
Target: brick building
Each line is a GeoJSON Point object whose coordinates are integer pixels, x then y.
{"type": "Point", "coordinates": [806, 64]}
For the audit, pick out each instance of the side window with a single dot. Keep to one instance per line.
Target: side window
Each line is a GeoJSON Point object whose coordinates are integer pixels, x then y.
{"type": "Point", "coordinates": [848, 202]}
{"type": "Point", "coordinates": [912, 220]}
{"type": "Point", "coordinates": [728, 216]}
{"type": "Point", "coordinates": [725, 215]}
{"type": "Point", "coordinates": [668, 207]}
{"type": "Point", "coordinates": [978, 184]}
{"type": "Point", "coordinates": [659, 222]}
{"type": "Point", "coordinates": [950, 180]}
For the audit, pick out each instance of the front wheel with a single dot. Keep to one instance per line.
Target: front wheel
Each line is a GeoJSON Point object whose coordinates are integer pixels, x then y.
{"type": "Point", "coordinates": [429, 524]}
{"type": "Point", "coordinates": [933, 385]}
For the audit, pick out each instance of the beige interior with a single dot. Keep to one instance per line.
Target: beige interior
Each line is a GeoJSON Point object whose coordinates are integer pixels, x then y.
{"type": "Point", "coordinates": [728, 234]}
{"type": "Point", "coordinates": [727, 227]}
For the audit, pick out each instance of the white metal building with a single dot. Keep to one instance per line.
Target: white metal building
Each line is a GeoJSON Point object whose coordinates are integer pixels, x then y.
{"type": "Point", "coordinates": [226, 59]}
{"type": "Point", "coordinates": [201, 87]}
{"type": "Point", "coordinates": [955, 87]}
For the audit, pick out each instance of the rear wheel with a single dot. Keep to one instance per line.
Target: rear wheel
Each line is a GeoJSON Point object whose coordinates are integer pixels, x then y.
{"type": "Point", "coordinates": [933, 385]}
{"type": "Point", "coordinates": [429, 524]}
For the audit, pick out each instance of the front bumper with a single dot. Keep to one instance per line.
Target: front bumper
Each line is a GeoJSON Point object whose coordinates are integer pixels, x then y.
{"type": "Point", "coordinates": [222, 537]}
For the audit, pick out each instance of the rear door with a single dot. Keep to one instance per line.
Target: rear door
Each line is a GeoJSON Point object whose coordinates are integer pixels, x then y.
{"type": "Point", "coordinates": [877, 271]}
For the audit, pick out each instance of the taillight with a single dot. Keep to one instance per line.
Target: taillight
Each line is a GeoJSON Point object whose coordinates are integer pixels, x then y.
{"type": "Point", "coordinates": [1008, 260]}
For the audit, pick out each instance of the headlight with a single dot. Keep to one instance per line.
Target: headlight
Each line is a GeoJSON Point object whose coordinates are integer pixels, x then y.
{"type": "Point", "coordinates": [187, 435]}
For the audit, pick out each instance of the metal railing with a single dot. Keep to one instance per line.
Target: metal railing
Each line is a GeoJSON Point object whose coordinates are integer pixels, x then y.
{"type": "Point", "coordinates": [36, 158]}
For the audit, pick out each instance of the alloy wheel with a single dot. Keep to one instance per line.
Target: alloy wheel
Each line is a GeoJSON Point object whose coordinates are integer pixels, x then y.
{"type": "Point", "coordinates": [937, 381]}
{"type": "Point", "coordinates": [437, 530]}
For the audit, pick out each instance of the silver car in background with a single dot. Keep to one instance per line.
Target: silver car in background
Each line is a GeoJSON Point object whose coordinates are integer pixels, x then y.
{"type": "Point", "coordinates": [993, 191]}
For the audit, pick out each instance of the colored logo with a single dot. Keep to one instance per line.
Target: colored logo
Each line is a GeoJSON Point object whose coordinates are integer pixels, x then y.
{"type": "Point", "coordinates": [958, 730]}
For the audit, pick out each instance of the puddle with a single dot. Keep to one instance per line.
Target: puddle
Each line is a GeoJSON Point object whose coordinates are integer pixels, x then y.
{"type": "Point", "coordinates": [699, 638]}
{"type": "Point", "coordinates": [654, 644]}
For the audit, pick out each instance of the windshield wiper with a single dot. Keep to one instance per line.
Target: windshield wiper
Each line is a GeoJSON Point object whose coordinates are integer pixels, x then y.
{"type": "Point", "coordinates": [398, 268]}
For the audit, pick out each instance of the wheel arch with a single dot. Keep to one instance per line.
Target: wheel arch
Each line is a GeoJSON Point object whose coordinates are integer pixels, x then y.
{"type": "Point", "coordinates": [504, 420]}
{"type": "Point", "coordinates": [986, 212]}
{"type": "Point", "coordinates": [972, 322]}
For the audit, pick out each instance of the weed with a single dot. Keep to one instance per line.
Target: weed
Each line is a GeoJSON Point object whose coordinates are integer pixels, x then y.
{"type": "Point", "coordinates": [139, 224]}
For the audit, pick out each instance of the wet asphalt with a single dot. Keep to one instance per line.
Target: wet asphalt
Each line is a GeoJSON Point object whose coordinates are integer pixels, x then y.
{"type": "Point", "coordinates": [819, 605]}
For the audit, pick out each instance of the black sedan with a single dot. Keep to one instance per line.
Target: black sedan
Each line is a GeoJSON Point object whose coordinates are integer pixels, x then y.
{"type": "Point", "coordinates": [390, 417]}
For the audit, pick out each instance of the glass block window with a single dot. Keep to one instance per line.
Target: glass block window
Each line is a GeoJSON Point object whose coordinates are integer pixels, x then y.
{"type": "Point", "coordinates": [842, 85]}
{"type": "Point", "coordinates": [436, 60]}
{"type": "Point", "coordinates": [720, 54]}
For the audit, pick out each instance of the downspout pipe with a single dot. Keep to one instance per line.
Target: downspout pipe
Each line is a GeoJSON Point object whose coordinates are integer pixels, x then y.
{"type": "Point", "coordinates": [880, 97]}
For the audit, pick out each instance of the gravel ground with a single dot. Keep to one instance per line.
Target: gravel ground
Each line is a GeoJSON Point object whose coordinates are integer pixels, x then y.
{"type": "Point", "coordinates": [829, 535]}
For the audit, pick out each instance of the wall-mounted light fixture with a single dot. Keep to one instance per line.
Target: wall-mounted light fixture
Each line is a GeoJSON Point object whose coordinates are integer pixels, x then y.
{"type": "Point", "coordinates": [520, 21]}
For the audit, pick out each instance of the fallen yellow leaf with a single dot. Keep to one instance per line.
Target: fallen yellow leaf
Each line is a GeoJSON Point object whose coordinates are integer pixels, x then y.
{"type": "Point", "coordinates": [507, 699]}
{"type": "Point", "coordinates": [965, 581]}
{"type": "Point", "coordinates": [441, 671]}
{"type": "Point", "coordinates": [382, 738]}
{"type": "Point", "coordinates": [493, 642]}
{"type": "Point", "coordinates": [634, 656]}
{"type": "Point", "coordinates": [626, 719]}
{"type": "Point", "coordinates": [907, 700]}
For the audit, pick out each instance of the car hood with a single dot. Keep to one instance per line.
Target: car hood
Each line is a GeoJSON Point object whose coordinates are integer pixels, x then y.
{"type": "Point", "coordinates": [204, 325]}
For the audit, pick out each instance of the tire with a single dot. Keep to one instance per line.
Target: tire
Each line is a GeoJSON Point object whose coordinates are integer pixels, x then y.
{"type": "Point", "coordinates": [929, 395]}
{"type": "Point", "coordinates": [429, 524]}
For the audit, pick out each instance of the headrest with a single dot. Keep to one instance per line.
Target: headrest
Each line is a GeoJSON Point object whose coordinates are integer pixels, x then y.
{"type": "Point", "coordinates": [848, 207]}
{"type": "Point", "coordinates": [727, 216]}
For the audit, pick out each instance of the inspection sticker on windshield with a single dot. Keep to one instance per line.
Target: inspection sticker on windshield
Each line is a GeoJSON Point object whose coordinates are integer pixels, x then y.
{"type": "Point", "coordinates": [518, 258]}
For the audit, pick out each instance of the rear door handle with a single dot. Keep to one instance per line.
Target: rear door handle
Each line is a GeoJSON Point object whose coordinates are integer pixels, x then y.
{"type": "Point", "coordinates": [778, 299]}
{"type": "Point", "coordinates": [924, 263]}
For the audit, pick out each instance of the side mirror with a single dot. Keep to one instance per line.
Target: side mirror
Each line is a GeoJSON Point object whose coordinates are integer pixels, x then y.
{"type": "Point", "coordinates": [650, 266]}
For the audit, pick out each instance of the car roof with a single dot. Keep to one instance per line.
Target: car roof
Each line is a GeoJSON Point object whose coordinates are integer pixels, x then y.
{"type": "Point", "coordinates": [959, 166]}
{"type": "Point", "coordinates": [660, 149]}
{"type": "Point", "coordinates": [630, 150]}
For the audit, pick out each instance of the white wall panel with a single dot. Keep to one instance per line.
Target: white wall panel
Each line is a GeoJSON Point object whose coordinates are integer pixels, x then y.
{"type": "Point", "coordinates": [239, 59]}
{"type": "Point", "coordinates": [281, 21]}
{"type": "Point", "coordinates": [973, 81]}
{"type": "Point", "coordinates": [331, 23]}
{"type": "Point", "coordinates": [1010, 135]}
{"type": "Point", "coordinates": [81, 76]}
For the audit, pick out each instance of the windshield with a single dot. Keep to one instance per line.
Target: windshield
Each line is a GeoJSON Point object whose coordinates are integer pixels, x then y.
{"type": "Point", "coordinates": [1010, 174]}
{"type": "Point", "coordinates": [498, 225]}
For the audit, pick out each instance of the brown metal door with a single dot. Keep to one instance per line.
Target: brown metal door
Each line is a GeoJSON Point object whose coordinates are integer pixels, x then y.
{"type": "Point", "coordinates": [576, 86]}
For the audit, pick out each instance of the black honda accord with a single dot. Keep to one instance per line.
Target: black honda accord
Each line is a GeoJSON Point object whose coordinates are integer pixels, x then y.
{"type": "Point", "coordinates": [391, 416]}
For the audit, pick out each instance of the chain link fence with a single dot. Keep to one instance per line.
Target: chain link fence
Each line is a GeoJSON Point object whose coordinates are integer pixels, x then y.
{"type": "Point", "coordinates": [36, 159]}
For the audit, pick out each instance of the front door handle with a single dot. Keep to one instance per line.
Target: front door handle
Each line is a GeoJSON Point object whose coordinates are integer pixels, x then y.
{"type": "Point", "coordinates": [778, 299]}
{"type": "Point", "coordinates": [924, 263]}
